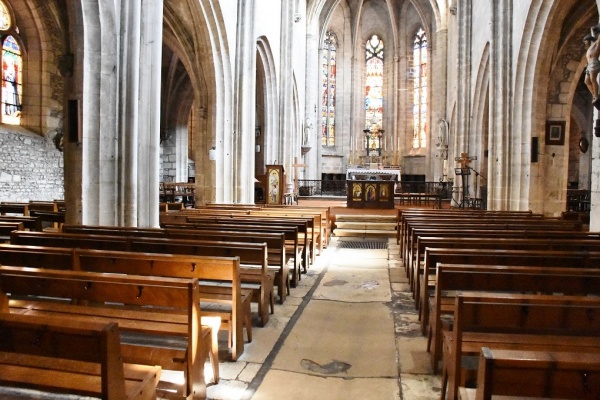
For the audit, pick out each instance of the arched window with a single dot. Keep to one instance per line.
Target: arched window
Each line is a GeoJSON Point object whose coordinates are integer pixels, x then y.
{"type": "Point", "coordinates": [374, 83]}
{"type": "Point", "coordinates": [12, 69]}
{"type": "Point", "coordinates": [420, 90]}
{"type": "Point", "coordinates": [328, 83]}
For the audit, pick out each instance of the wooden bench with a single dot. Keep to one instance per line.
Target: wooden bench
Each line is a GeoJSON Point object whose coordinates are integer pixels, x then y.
{"type": "Point", "coordinates": [14, 208]}
{"type": "Point", "coordinates": [538, 258]}
{"type": "Point", "coordinates": [7, 227]}
{"type": "Point", "coordinates": [483, 224]}
{"type": "Point", "coordinates": [29, 223]}
{"type": "Point", "coordinates": [304, 226]}
{"type": "Point", "coordinates": [515, 322]}
{"type": "Point", "coordinates": [258, 278]}
{"type": "Point", "coordinates": [276, 243]}
{"type": "Point", "coordinates": [234, 304]}
{"type": "Point", "coordinates": [292, 244]}
{"type": "Point", "coordinates": [306, 237]}
{"type": "Point", "coordinates": [406, 213]}
{"type": "Point", "coordinates": [61, 355]}
{"type": "Point", "coordinates": [150, 312]}
{"type": "Point", "coordinates": [498, 243]}
{"type": "Point", "coordinates": [254, 268]}
{"type": "Point", "coordinates": [548, 374]}
{"type": "Point", "coordinates": [423, 238]}
{"type": "Point", "coordinates": [319, 224]}
{"type": "Point", "coordinates": [458, 278]}
{"type": "Point", "coordinates": [48, 218]}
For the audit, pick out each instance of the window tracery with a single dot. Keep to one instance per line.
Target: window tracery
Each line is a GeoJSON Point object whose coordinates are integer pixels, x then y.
{"type": "Point", "coordinates": [420, 98]}
{"type": "Point", "coordinates": [12, 68]}
{"type": "Point", "coordinates": [329, 55]}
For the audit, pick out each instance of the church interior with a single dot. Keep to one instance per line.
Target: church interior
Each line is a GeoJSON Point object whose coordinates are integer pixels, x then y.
{"type": "Point", "coordinates": [341, 122]}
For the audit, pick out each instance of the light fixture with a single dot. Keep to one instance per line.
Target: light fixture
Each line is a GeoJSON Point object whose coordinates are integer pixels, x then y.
{"type": "Point", "coordinates": [258, 148]}
{"type": "Point", "coordinates": [212, 154]}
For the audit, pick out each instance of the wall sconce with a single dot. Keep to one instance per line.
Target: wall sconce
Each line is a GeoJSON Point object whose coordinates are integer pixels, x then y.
{"type": "Point", "coordinates": [258, 148]}
{"type": "Point", "coordinates": [212, 154]}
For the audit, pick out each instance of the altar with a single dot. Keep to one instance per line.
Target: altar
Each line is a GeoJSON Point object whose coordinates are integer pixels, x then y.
{"type": "Point", "coordinates": [371, 188]}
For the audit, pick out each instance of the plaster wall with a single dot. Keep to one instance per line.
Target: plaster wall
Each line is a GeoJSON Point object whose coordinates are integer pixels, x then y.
{"type": "Point", "coordinates": [268, 24]}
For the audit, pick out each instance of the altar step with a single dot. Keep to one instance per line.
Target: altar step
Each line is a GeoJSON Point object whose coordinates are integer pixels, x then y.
{"type": "Point", "coordinates": [365, 226]}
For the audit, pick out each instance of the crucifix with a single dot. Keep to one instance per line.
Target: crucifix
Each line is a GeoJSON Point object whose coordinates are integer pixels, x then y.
{"type": "Point", "coordinates": [464, 171]}
{"type": "Point", "coordinates": [464, 161]}
{"type": "Point", "coordinates": [296, 165]}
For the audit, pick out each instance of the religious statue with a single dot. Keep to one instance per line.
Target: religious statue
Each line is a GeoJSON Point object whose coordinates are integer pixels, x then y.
{"type": "Point", "coordinates": [593, 67]}
{"type": "Point", "coordinates": [307, 129]}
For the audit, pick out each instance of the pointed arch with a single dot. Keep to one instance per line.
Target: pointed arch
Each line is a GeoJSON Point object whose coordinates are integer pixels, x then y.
{"type": "Point", "coordinates": [270, 129]}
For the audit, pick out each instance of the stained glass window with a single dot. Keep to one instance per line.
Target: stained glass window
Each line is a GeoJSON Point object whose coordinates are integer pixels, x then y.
{"type": "Point", "coordinates": [328, 88]}
{"type": "Point", "coordinates": [12, 78]}
{"type": "Point", "coordinates": [374, 84]}
{"type": "Point", "coordinates": [420, 99]}
{"type": "Point", "coordinates": [5, 20]}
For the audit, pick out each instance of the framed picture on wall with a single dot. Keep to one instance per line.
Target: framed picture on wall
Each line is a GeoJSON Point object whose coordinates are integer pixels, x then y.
{"type": "Point", "coordinates": [555, 133]}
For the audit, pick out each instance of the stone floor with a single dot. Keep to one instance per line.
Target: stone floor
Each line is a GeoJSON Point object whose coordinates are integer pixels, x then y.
{"type": "Point", "coordinates": [348, 331]}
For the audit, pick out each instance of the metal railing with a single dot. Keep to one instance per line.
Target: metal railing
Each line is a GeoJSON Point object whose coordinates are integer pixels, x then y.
{"type": "Point", "coordinates": [307, 188]}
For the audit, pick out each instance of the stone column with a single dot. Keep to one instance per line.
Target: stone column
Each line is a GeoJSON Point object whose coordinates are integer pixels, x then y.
{"type": "Point", "coordinates": [313, 171]}
{"type": "Point", "coordinates": [438, 96]}
{"type": "Point", "coordinates": [499, 190]}
{"type": "Point", "coordinates": [128, 121]}
{"type": "Point", "coordinates": [286, 123]}
{"type": "Point", "coordinates": [244, 105]}
{"type": "Point", "coordinates": [463, 102]}
{"type": "Point", "coordinates": [148, 144]}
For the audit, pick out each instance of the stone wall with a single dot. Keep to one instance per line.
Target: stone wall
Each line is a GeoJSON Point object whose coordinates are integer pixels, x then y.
{"type": "Point", "coordinates": [31, 168]}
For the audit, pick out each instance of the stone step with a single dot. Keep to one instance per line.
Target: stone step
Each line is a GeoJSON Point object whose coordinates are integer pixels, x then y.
{"type": "Point", "coordinates": [384, 226]}
{"type": "Point", "coordinates": [363, 233]}
{"type": "Point", "coordinates": [366, 218]}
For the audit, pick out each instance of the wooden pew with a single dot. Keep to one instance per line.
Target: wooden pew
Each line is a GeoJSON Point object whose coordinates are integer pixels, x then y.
{"type": "Point", "coordinates": [236, 301]}
{"type": "Point", "coordinates": [146, 309]}
{"type": "Point", "coordinates": [36, 256]}
{"type": "Point", "coordinates": [548, 374]}
{"type": "Point", "coordinates": [167, 206]}
{"type": "Point", "coordinates": [516, 322]}
{"type": "Point", "coordinates": [467, 234]}
{"type": "Point", "coordinates": [234, 317]}
{"type": "Point", "coordinates": [53, 218]}
{"type": "Point", "coordinates": [457, 278]}
{"type": "Point", "coordinates": [61, 355]}
{"type": "Point", "coordinates": [7, 227]}
{"type": "Point", "coordinates": [497, 243]}
{"type": "Point", "coordinates": [403, 214]}
{"type": "Point", "coordinates": [306, 237]}
{"type": "Point", "coordinates": [29, 223]}
{"type": "Point", "coordinates": [494, 223]}
{"type": "Point", "coordinates": [257, 277]}
{"type": "Point", "coordinates": [14, 208]}
{"type": "Point", "coordinates": [325, 212]}
{"type": "Point", "coordinates": [238, 219]}
{"type": "Point", "coordinates": [293, 247]}
{"type": "Point", "coordinates": [254, 268]}
{"type": "Point", "coordinates": [317, 228]}
{"type": "Point", "coordinates": [276, 243]}
{"type": "Point", "coordinates": [539, 258]}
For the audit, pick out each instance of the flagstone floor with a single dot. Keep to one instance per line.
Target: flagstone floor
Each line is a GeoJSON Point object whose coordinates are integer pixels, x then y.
{"type": "Point", "coordinates": [348, 331]}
